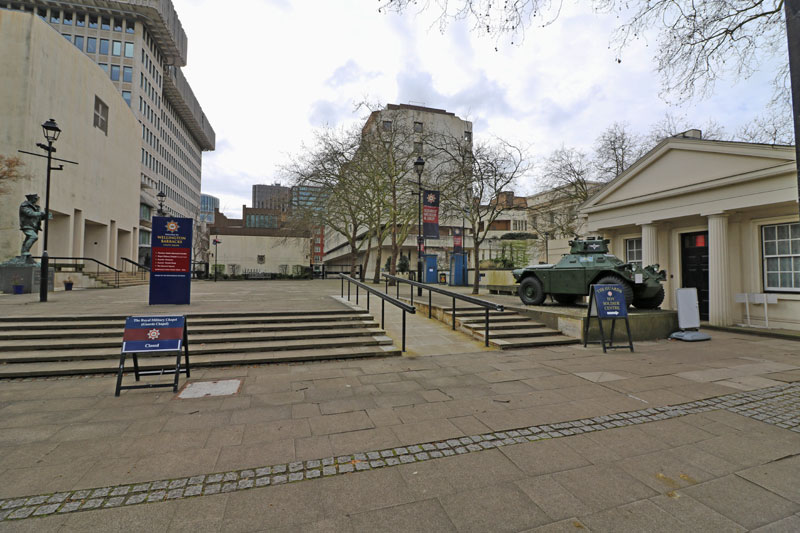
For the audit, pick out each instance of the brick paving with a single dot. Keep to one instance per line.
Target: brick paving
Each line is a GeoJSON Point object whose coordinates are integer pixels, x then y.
{"type": "Point", "coordinates": [677, 436]}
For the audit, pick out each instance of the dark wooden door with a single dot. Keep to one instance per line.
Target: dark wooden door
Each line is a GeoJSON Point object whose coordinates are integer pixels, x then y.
{"type": "Point", "coordinates": [694, 267]}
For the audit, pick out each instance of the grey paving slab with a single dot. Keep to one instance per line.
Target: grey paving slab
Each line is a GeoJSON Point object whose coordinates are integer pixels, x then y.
{"type": "Point", "coordinates": [790, 524]}
{"type": "Point", "coordinates": [602, 487]}
{"type": "Point", "coordinates": [635, 517]}
{"type": "Point", "coordinates": [544, 457]}
{"type": "Point", "coordinates": [422, 516]}
{"type": "Point", "coordinates": [552, 498]}
{"type": "Point", "coordinates": [502, 507]}
{"type": "Point", "coordinates": [693, 514]}
{"type": "Point", "coordinates": [569, 525]}
{"type": "Point", "coordinates": [781, 477]}
{"type": "Point", "coordinates": [743, 502]}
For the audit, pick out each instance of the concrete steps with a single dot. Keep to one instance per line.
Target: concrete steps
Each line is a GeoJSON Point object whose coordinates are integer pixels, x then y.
{"type": "Point", "coordinates": [70, 345]}
{"type": "Point", "coordinates": [126, 279]}
{"type": "Point", "coordinates": [509, 330]}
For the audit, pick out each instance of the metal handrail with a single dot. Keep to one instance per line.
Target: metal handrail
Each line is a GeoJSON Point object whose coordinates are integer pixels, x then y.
{"type": "Point", "coordinates": [406, 308]}
{"type": "Point", "coordinates": [142, 268]}
{"type": "Point", "coordinates": [487, 305]}
{"type": "Point", "coordinates": [99, 264]}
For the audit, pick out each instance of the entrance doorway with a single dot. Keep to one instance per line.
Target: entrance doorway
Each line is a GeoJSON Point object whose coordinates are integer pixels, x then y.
{"type": "Point", "coordinates": [694, 267]}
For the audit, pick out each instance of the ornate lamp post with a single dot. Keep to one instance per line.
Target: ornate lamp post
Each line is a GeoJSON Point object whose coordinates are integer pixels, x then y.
{"type": "Point", "coordinates": [419, 165]}
{"type": "Point", "coordinates": [51, 132]}
{"type": "Point", "coordinates": [161, 197]}
{"type": "Point", "coordinates": [215, 242]}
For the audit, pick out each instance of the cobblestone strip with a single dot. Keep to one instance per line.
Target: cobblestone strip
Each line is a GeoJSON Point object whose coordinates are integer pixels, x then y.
{"type": "Point", "coordinates": [778, 405]}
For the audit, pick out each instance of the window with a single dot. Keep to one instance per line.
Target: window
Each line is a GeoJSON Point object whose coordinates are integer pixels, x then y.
{"type": "Point", "coordinates": [781, 257]}
{"type": "Point", "coordinates": [116, 48]}
{"type": "Point", "coordinates": [417, 148]}
{"type": "Point", "coordinates": [114, 72]}
{"type": "Point", "coordinates": [93, 22]}
{"type": "Point", "coordinates": [100, 115]}
{"type": "Point", "coordinates": [104, 66]}
{"type": "Point", "coordinates": [418, 127]}
{"type": "Point", "coordinates": [91, 45]}
{"type": "Point", "coordinates": [387, 125]}
{"type": "Point", "coordinates": [54, 17]}
{"type": "Point", "coordinates": [468, 136]}
{"type": "Point", "coordinates": [67, 19]}
{"type": "Point", "coordinates": [117, 24]}
{"type": "Point", "coordinates": [67, 36]}
{"type": "Point", "coordinates": [633, 251]}
{"type": "Point", "coordinates": [130, 27]}
{"type": "Point", "coordinates": [104, 46]}
{"type": "Point", "coordinates": [126, 95]}
{"type": "Point", "coordinates": [79, 42]}
{"type": "Point", "coordinates": [145, 212]}
{"type": "Point", "coordinates": [105, 23]}
{"type": "Point", "coordinates": [42, 12]}
{"type": "Point", "coordinates": [80, 20]}
{"type": "Point", "coordinates": [127, 74]}
{"type": "Point", "coordinates": [128, 49]}
{"type": "Point", "coordinates": [144, 237]}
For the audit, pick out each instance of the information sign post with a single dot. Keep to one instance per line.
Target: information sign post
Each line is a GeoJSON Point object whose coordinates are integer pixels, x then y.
{"type": "Point", "coordinates": [171, 264]}
{"type": "Point", "coordinates": [607, 302]}
{"type": "Point", "coordinates": [166, 335]}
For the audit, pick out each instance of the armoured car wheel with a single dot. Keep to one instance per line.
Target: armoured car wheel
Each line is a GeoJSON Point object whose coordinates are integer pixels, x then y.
{"type": "Point", "coordinates": [565, 299]}
{"type": "Point", "coordinates": [652, 302]}
{"type": "Point", "coordinates": [531, 291]}
{"type": "Point", "coordinates": [616, 280]}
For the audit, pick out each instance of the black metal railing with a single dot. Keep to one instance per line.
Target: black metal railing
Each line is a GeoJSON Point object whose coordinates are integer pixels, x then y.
{"type": "Point", "coordinates": [142, 269]}
{"type": "Point", "coordinates": [406, 308]}
{"type": "Point", "coordinates": [485, 304]}
{"type": "Point", "coordinates": [82, 268]}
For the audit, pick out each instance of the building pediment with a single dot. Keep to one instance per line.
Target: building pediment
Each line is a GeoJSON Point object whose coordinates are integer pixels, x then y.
{"type": "Point", "coordinates": [678, 166]}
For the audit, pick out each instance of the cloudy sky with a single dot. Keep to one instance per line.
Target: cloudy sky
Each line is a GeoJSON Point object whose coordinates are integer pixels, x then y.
{"type": "Point", "coordinates": [269, 72]}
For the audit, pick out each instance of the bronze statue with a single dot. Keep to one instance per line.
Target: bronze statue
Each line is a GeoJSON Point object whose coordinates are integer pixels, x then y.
{"type": "Point", "coordinates": [30, 222]}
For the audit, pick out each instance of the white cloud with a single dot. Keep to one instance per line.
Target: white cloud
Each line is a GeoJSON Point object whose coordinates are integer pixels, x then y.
{"type": "Point", "coordinates": [268, 72]}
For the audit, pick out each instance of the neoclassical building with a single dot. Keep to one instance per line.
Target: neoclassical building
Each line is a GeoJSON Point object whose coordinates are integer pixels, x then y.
{"type": "Point", "coordinates": [719, 216]}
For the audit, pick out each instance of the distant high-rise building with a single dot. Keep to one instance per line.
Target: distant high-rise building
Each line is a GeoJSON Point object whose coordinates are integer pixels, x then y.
{"type": "Point", "coordinates": [274, 197]}
{"type": "Point", "coordinates": [208, 204]}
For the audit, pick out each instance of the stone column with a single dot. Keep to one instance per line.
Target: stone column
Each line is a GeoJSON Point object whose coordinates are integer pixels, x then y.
{"type": "Point", "coordinates": [720, 309]}
{"type": "Point", "coordinates": [649, 244]}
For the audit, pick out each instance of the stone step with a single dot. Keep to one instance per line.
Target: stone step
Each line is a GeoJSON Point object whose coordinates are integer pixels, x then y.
{"type": "Point", "coordinates": [504, 318]}
{"type": "Point", "coordinates": [540, 331]}
{"type": "Point", "coordinates": [532, 342]}
{"type": "Point", "coordinates": [59, 343]}
{"type": "Point", "coordinates": [250, 314]}
{"type": "Point", "coordinates": [520, 324]}
{"type": "Point", "coordinates": [71, 368]}
{"type": "Point", "coordinates": [215, 349]}
{"type": "Point", "coordinates": [191, 321]}
{"type": "Point", "coordinates": [116, 330]}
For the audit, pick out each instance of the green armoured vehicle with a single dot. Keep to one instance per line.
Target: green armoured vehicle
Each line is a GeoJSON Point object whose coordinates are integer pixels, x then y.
{"type": "Point", "coordinates": [589, 263]}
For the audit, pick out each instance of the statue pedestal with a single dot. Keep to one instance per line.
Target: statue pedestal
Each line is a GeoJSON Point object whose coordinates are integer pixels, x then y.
{"type": "Point", "coordinates": [18, 271]}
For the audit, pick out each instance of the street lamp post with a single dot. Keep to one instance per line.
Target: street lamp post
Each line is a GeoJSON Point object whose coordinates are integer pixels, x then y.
{"type": "Point", "coordinates": [546, 251]}
{"type": "Point", "coordinates": [419, 165]}
{"type": "Point", "coordinates": [51, 132]}
{"type": "Point", "coordinates": [216, 255]}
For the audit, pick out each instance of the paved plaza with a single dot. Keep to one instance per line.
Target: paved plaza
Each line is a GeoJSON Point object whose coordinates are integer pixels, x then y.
{"type": "Point", "coordinates": [450, 437]}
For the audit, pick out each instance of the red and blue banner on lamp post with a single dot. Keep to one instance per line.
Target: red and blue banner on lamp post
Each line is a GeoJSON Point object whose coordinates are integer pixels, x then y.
{"type": "Point", "coordinates": [430, 214]}
{"type": "Point", "coordinates": [171, 265]}
{"type": "Point", "coordinates": [458, 241]}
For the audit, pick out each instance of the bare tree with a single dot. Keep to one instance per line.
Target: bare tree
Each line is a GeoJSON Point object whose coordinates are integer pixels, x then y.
{"type": "Point", "coordinates": [672, 124]}
{"type": "Point", "coordinates": [773, 127]}
{"type": "Point", "coordinates": [615, 150]}
{"type": "Point", "coordinates": [471, 178]}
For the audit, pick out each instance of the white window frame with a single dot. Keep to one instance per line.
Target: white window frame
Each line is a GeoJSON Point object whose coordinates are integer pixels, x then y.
{"type": "Point", "coordinates": [772, 254]}
{"type": "Point", "coordinates": [632, 250]}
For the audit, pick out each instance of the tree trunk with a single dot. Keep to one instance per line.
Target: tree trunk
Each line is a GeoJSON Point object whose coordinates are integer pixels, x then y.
{"type": "Point", "coordinates": [365, 262]}
{"type": "Point", "coordinates": [378, 259]}
{"type": "Point", "coordinates": [353, 254]}
{"type": "Point", "coordinates": [476, 282]}
{"type": "Point", "coordinates": [393, 265]}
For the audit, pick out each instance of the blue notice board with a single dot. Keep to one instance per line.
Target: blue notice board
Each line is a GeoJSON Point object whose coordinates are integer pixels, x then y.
{"type": "Point", "coordinates": [171, 261]}
{"type": "Point", "coordinates": [609, 302]}
{"type": "Point", "coordinates": [153, 334]}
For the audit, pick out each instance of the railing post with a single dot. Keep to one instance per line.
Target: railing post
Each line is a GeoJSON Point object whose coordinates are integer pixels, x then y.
{"type": "Point", "coordinates": [383, 313]}
{"type": "Point", "coordinates": [412, 293]}
{"type": "Point", "coordinates": [367, 300]}
{"type": "Point", "coordinates": [404, 326]}
{"type": "Point", "coordinates": [397, 286]}
{"type": "Point", "coordinates": [348, 289]}
{"type": "Point", "coordinates": [454, 312]}
{"type": "Point", "coordinates": [430, 302]}
{"type": "Point", "coordinates": [341, 278]}
{"type": "Point", "coordinates": [356, 293]}
{"type": "Point", "coordinates": [386, 289]}
{"type": "Point", "coordinates": [486, 332]}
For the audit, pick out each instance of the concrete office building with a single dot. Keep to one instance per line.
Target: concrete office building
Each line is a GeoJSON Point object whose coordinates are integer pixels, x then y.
{"type": "Point", "coordinates": [94, 204]}
{"type": "Point", "coordinates": [140, 46]}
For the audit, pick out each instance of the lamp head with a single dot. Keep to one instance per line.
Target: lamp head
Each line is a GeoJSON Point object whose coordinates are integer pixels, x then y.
{"type": "Point", "coordinates": [419, 164]}
{"type": "Point", "coordinates": [51, 130]}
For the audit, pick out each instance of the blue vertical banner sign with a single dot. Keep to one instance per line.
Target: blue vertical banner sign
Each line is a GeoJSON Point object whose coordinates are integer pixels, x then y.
{"type": "Point", "coordinates": [171, 264]}
{"type": "Point", "coordinates": [430, 214]}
